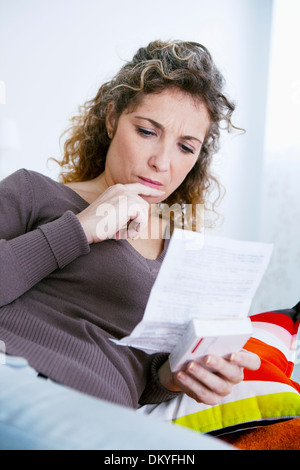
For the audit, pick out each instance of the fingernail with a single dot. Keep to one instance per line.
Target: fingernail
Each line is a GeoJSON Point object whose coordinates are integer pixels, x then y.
{"type": "Point", "coordinates": [210, 360]}
{"type": "Point", "coordinates": [181, 376]}
{"type": "Point", "coordinates": [233, 357]}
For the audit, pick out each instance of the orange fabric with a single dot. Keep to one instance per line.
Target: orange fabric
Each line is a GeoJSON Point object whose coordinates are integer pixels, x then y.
{"type": "Point", "coordinates": [278, 436]}
{"type": "Point", "coordinates": [274, 365]}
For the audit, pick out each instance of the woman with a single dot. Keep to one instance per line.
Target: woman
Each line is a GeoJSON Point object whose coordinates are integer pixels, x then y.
{"type": "Point", "coordinates": [78, 259]}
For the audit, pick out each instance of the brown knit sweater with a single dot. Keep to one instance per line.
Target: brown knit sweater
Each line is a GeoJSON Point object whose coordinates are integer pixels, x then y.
{"type": "Point", "coordinates": [61, 299]}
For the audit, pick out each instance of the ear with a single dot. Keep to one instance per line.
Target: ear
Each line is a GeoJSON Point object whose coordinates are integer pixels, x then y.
{"type": "Point", "coordinates": [111, 120]}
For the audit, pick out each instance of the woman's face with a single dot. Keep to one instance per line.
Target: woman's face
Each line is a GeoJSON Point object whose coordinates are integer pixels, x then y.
{"type": "Point", "coordinates": [158, 143]}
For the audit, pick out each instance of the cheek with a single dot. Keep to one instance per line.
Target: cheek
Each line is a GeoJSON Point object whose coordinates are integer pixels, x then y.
{"type": "Point", "coordinates": [184, 168]}
{"type": "Point", "coordinates": [127, 151]}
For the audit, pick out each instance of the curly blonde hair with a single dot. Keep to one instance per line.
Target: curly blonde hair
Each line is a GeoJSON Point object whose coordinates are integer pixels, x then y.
{"type": "Point", "coordinates": [187, 66]}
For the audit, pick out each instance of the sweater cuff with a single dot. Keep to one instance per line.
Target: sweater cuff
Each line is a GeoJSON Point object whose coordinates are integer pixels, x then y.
{"type": "Point", "coordinates": [66, 238]}
{"type": "Point", "coordinates": [155, 392]}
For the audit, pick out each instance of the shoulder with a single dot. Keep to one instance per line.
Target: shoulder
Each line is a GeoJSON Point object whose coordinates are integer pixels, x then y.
{"type": "Point", "coordinates": [25, 178]}
{"type": "Point", "coordinates": [35, 189]}
{"type": "Point", "coordinates": [30, 184]}
{"type": "Point", "coordinates": [40, 185]}
{"type": "Point", "coordinates": [38, 180]}
{"type": "Point", "coordinates": [17, 203]}
{"type": "Point", "coordinates": [17, 187]}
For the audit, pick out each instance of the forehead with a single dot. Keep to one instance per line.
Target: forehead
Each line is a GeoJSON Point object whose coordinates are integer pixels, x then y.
{"type": "Point", "coordinates": [173, 106]}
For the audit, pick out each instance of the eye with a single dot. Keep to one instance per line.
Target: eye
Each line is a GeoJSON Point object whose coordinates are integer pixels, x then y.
{"type": "Point", "coordinates": [145, 132]}
{"type": "Point", "coordinates": [186, 149]}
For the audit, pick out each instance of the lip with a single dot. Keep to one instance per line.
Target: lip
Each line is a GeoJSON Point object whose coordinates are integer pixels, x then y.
{"type": "Point", "coordinates": [149, 182]}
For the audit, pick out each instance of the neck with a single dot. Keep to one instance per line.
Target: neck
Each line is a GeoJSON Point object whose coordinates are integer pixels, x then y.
{"type": "Point", "coordinates": [100, 184]}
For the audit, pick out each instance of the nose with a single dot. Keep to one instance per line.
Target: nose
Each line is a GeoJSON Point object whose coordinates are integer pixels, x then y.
{"type": "Point", "coordinates": [160, 159]}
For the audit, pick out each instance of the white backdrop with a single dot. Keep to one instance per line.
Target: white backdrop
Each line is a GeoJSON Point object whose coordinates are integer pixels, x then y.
{"type": "Point", "coordinates": [280, 199]}
{"type": "Point", "coordinates": [55, 53]}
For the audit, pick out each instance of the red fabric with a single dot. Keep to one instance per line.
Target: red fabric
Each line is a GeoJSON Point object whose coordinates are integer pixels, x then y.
{"type": "Point", "coordinates": [277, 318]}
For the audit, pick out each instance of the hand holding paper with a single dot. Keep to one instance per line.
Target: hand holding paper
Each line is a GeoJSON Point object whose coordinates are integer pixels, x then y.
{"type": "Point", "coordinates": [201, 278]}
{"type": "Point", "coordinates": [209, 379]}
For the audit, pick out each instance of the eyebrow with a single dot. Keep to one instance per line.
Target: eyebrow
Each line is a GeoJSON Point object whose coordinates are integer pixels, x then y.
{"type": "Point", "coordinates": [160, 126]}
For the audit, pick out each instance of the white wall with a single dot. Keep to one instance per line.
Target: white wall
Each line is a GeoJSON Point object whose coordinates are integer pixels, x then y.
{"type": "Point", "coordinates": [55, 53]}
{"type": "Point", "coordinates": [280, 201]}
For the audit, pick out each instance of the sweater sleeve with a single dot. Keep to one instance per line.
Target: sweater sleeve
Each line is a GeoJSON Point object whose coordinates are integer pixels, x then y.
{"type": "Point", "coordinates": [154, 391]}
{"type": "Point", "coordinates": [26, 257]}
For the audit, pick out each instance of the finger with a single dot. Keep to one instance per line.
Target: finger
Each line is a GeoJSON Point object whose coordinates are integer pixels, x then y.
{"type": "Point", "coordinates": [225, 369]}
{"type": "Point", "coordinates": [214, 382]}
{"type": "Point", "coordinates": [133, 229]}
{"type": "Point", "coordinates": [139, 188]}
{"type": "Point", "coordinates": [246, 359]}
{"type": "Point", "coordinates": [138, 209]}
{"type": "Point", "coordinates": [197, 390]}
{"type": "Point", "coordinates": [121, 234]}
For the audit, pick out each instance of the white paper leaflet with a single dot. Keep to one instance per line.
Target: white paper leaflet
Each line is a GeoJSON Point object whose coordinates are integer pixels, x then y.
{"type": "Point", "coordinates": [202, 277]}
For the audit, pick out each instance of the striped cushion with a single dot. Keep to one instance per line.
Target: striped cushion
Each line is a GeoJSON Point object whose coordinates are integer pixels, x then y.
{"type": "Point", "coordinates": [265, 395]}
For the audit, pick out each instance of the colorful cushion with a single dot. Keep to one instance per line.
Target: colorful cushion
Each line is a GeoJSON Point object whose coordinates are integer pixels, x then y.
{"type": "Point", "coordinates": [265, 396]}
